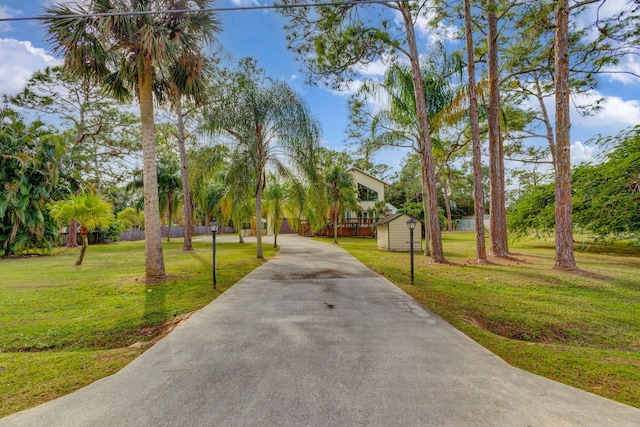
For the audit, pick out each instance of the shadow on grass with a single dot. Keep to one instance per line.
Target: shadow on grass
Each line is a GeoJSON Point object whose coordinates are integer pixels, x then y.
{"type": "Point", "coordinates": [155, 307]}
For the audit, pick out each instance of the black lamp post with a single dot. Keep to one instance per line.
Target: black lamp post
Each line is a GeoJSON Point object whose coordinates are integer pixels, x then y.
{"type": "Point", "coordinates": [412, 225]}
{"type": "Point", "coordinates": [213, 226]}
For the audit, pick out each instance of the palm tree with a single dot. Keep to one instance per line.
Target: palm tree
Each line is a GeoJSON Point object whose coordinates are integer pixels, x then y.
{"type": "Point", "coordinates": [186, 83]}
{"type": "Point", "coordinates": [125, 52]}
{"type": "Point", "coordinates": [266, 120]}
{"type": "Point", "coordinates": [274, 195]}
{"type": "Point", "coordinates": [89, 210]}
{"type": "Point", "coordinates": [399, 124]}
{"type": "Point", "coordinates": [169, 185]}
{"type": "Point", "coordinates": [341, 194]}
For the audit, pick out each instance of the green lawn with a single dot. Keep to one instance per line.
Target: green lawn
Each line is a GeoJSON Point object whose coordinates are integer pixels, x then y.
{"type": "Point", "coordinates": [63, 327]}
{"type": "Point", "coordinates": [579, 329]}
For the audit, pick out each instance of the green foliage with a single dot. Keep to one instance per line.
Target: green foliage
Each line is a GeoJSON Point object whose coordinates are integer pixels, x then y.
{"type": "Point", "coordinates": [31, 174]}
{"type": "Point", "coordinates": [130, 217]}
{"type": "Point", "coordinates": [89, 210]}
{"type": "Point", "coordinates": [606, 196]}
{"type": "Point", "coordinates": [274, 195]}
{"type": "Point", "coordinates": [333, 41]}
{"type": "Point", "coordinates": [103, 134]}
{"type": "Point", "coordinates": [269, 126]}
{"type": "Point", "coordinates": [534, 212]}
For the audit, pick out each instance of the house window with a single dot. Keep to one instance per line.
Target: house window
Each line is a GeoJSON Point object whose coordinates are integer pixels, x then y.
{"type": "Point", "coordinates": [366, 194]}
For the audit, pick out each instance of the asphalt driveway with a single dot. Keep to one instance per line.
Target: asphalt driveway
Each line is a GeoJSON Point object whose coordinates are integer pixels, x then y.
{"type": "Point", "coordinates": [315, 338]}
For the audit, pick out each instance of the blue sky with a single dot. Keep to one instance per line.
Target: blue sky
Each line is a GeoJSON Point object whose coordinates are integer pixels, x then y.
{"type": "Point", "coordinates": [23, 49]}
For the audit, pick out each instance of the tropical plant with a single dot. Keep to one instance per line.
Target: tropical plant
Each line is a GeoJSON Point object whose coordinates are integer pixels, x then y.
{"type": "Point", "coordinates": [169, 188]}
{"type": "Point", "coordinates": [334, 42]}
{"type": "Point", "coordinates": [130, 217]}
{"type": "Point", "coordinates": [89, 210]}
{"type": "Point", "coordinates": [341, 193]}
{"type": "Point", "coordinates": [102, 39]}
{"type": "Point", "coordinates": [266, 122]}
{"type": "Point", "coordinates": [274, 195]}
{"type": "Point", "coordinates": [33, 171]}
{"type": "Point", "coordinates": [398, 123]}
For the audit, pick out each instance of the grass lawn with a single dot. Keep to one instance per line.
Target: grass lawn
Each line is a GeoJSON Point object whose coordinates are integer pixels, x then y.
{"type": "Point", "coordinates": [579, 329]}
{"type": "Point", "coordinates": [63, 327]}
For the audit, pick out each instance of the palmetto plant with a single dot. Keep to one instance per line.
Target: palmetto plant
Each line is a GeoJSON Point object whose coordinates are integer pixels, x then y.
{"type": "Point", "coordinates": [89, 210]}
{"type": "Point", "coordinates": [340, 188]}
{"type": "Point", "coordinates": [126, 53]}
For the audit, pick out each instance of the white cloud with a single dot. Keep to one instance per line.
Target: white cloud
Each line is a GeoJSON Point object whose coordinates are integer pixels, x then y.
{"type": "Point", "coordinates": [293, 77]}
{"type": "Point", "coordinates": [18, 60]}
{"type": "Point", "coordinates": [7, 12]}
{"type": "Point", "coordinates": [245, 3]}
{"type": "Point", "coordinates": [375, 68]}
{"type": "Point", "coordinates": [348, 88]}
{"type": "Point", "coordinates": [615, 112]}
{"type": "Point", "coordinates": [627, 64]}
{"type": "Point", "coordinates": [582, 153]}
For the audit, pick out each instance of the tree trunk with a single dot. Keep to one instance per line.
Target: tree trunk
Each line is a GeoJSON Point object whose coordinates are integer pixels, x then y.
{"type": "Point", "coordinates": [447, 206]}
{"type": "Point", "coordinates": [259, 215]}
{"type": "Point", "coordinates": [499, 244]}
{"type": "Point", "coordinates": [154, 260]}
{"type": "Point", "coordinates": [335, 224]}
{"type": "Point", "coordinates": [170, 200]}
{"type": "Point", "coordinates": [85, 243]}
{"type": "Point", "coordinates": [72, 237]}
{"type": "Point", "coordinates": [275, 240]}
{"type": "Point", "coordinates": [564, 235]}
{"type": "Point", "coordinates": [425, 208]}
{"type": "Point", "coordinates": [429, 178]}
{"type": "Point", "coordinates": [478, 193]}
{"type": "Point", "coordinates": [184, 175]}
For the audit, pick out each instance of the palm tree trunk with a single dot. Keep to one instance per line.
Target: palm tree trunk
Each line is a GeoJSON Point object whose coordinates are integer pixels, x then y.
{"type": "Point", "coordinates": [259, 216]}
{"type": "Point", "coordinates": [154, 260]}
{"type": "Point", "coordinates": [425, 208]}
{"type": "Point", "coordinates": [335, 224]}
{"type": "Point", "coordinates": [184, 175]}
{"type": "Point", "coordinates": [170, 197]}
{"type": "Point", "coordinates": [447, 205]}
{"type": "Point", "coordinates": [85, 243]}
{"type": "Point", "coordinates": [478, 193]}
{"type": "Point", "coordinates": [429, 179]}
{"type": "Point", "coordinates": [72, 237]}
{"type": "Point", "coordinates": [499, 244]}
{"type": "Point", "coordinates": [564, 234]}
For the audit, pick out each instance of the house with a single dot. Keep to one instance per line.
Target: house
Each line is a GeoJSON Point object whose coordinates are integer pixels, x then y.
{"type": "Point", "coordinates": [369, 189]}
{"type": "Point", "coordinates": [394, 234]}
{"type": "Point", "coordinates": [361, 222]}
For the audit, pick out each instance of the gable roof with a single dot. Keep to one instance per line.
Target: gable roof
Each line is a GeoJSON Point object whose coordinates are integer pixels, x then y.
{"type": "Point", "coordinates": [353, 168]}
{"type": "Point", "coordinates": [390, 218]}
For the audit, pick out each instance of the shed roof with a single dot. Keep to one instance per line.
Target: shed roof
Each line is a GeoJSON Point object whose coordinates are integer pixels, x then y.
{"type": "Point", "coordinates": [390, 218]}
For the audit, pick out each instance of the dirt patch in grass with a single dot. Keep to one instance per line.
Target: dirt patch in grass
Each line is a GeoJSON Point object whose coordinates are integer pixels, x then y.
{"type": "Point", "coordinates": [160, 331]}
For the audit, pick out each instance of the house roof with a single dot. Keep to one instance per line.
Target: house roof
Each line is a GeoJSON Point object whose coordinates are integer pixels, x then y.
{"type": "Point", "coordinates": [390, 218]}
{"type": "Point", "coordinates": [369, 175]}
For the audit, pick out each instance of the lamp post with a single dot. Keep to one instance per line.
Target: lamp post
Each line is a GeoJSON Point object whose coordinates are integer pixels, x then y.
{"type": "Point", "coordinates": [213, 226]}
{"type": "Point", "coordinates": [412, 225]}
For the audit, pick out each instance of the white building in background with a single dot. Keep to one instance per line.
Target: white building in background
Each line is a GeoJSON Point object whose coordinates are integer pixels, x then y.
{"type": "Point", "coordinates": [369, 189]}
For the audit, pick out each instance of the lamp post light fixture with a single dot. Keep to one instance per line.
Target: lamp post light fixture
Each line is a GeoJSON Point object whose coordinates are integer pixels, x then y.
{"type": "Point", "coordinates": [412, 225]}
{"type": "Point", "coordinates": [213, 226]}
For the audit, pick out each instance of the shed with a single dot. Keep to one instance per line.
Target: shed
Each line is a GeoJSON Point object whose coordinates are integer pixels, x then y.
{"type": "Point", "coordinates": [393, 234]}
{"type": "Point", "coordinates": [468, 223]}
